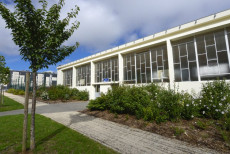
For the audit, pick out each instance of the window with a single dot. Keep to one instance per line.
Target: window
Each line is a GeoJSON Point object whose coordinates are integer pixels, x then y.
{"type": "Point", "coordinates": [83, 76]}
{"type": "Point", "coordinates": [143, 67]}
{"type": "Point", "coordinates": [107, 70]}
{"type": "Point", "coordinates": [159, 63]}
{"type": "Point", "coordinates": [184, 58]}
{"type": "Point", "coordinates": [67, 77]}
{"type": "Point", "coordinates": [137, 67]}
{"type": "Point", "coordinates": [129, 68]}
{"type": "Point", "coordinates": [213, 56]}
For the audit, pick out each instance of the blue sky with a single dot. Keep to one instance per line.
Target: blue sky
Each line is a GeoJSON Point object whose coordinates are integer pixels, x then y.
{"type": "Point", "coordinates": [109, 23]}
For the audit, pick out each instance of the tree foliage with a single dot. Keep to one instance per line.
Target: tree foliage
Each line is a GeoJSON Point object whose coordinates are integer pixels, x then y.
{"type": "Point", "coordinates": [40, 33]}
{"type": "Point", "coordinates": [4, 71]}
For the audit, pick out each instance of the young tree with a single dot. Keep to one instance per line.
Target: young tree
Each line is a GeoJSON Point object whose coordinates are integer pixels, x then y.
{"type": "Point", "coordinates": [40, 34]}
{"type": "Point", "coordinates": [4, 77]}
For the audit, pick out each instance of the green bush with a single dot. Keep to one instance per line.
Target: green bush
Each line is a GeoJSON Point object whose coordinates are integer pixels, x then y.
{"type": "Point", "coordinates": [16, 91]}
{"type": "Point", "coordinates": [11, 90]}
{"type": "Point", "coordinates": [215, 98]}
{"type": "Point", "coordinates": [82, 95]}
{"type": "Point", "coordinates": [98, 104]}
{"type": "Point", "coordinates": [171, 103]}
{"type": "Point", "coordinates": [63, 93]}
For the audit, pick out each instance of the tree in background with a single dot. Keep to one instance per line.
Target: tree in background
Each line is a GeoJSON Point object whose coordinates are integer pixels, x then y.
{"type": "Point", "coordinates": [40, 34]}
{"type": "Point", "coordinates": [4, 77]}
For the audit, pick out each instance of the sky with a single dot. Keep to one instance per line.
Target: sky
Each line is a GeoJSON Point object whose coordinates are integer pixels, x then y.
{"type": "Point", "coordinates": [105, 24]}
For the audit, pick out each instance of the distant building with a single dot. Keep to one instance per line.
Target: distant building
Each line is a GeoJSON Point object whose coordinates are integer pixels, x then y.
{"type": "Point", "coordinates": [18, 79]}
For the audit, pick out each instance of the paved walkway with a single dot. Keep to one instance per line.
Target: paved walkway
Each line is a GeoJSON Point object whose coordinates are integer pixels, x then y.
{"type": "Point", "coordinates": [118, 137]}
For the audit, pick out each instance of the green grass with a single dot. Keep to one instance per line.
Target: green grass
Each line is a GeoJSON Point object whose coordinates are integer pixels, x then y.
{"type": "Point", "coordinates": [51, 137]}
{"type": "Point", "coordinates": [10, 104]}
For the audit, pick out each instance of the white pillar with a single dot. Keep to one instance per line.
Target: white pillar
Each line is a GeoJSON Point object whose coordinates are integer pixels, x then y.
{"type": "Point", "coordinates": [92, 87]}
{"type": "Point", "coordinates": [59, 77]}
{"type": "Point", "coordinates": [74, 77]}
{"type": "Point", "coordinates": [121, 66]}
{"type": "Point", "coordinates": [170, 63]}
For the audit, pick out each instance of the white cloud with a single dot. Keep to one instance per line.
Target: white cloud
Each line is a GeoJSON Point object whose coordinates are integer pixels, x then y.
{"type": "Point", "coordinates": [106, 22]}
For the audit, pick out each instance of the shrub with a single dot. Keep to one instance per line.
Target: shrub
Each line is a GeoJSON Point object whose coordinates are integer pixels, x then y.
{"type": "Point", "coordinates": [45, 95]}
{"type": "Point", "coordinates": [98, 104]}
{"type": "Point", "coordinates": [11, 90]}
{"type": "Point", "coordinates": [170, 102]}
{"type": "Point", "coordinates": [82, 95]}
{"type": "Point", "coordinates": [21, 92]}
{"type": "Point", "coordinates": [190, 109]}
{"type": "Point", "coordinates": [215, 98]}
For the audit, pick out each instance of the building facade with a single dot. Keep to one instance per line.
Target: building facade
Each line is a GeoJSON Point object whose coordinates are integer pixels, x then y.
{"type": "Point", "coordinates": [18, 79]}
{"type": "Point", "coordinates": [185, 56]}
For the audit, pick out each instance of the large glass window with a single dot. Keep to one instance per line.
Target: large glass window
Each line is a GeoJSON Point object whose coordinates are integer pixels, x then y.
{"type": "Point", "coordinates": [137, 66]}
{"type": "Point", "coordinates": [107, 70]}
{"type": "Point", "coordinates": [129, 68]}
{"type": "Point", "coordinates": [184, 58]}
{"type": "Point", "coordinates": [67, 77]}
{"type": "Point", "coordinates": [83, 76]}
{"type": "Point", "coordinates": [159, 59]}
{"type": "Point", "coordinates": [143, 67]}
{"type": "Point", "coordinates": [213, 56]}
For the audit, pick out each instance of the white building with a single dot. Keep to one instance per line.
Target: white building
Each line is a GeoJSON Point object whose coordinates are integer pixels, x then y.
{"type": "Point", "coordinates": [187, 55]}
{"type": "Point", "coordinates": [18, 79]}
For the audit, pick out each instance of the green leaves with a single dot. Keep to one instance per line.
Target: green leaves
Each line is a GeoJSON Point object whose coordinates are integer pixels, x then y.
{"type": "Point", "coordinates": [40, 33]}
{"type": "Point", "coordinates": [4, 71]}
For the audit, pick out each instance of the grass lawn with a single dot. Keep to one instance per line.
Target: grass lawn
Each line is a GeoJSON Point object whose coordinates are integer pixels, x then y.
{"type": "Point", "coordinates": [10, 104]}
{"type": "Point", "coordinates": [51, 137]}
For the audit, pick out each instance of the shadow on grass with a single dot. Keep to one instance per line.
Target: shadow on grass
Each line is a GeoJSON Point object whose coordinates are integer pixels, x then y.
{"type": "Point", "coordinates": [51, 135]}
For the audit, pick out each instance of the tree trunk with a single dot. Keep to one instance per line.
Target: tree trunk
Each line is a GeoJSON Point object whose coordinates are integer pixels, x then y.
{"type": "Point", "coordinates": [3, 96]}
{"type": "Point", "coordinates": [32, 127]}
{"type": "Point", "coordinates": [24, 138]}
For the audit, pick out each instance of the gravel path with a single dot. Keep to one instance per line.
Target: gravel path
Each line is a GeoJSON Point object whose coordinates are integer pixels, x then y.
{"type": "Point", "coordinates": [118, 137]}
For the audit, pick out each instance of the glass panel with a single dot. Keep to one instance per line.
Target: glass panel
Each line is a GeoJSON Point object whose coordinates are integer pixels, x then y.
{"type": "Point", "coordinates": [184, 62]}
{"type": "Point", "coordinates": [193, 71]}
{"type": "Point", "coordinates": [202, 60]}
{"type": "Point", "coordinates": [133, 72]}
{"type": "Point", "coordinates": [200, 44]}
{"type": "Point", "coordinates": [185, 75]}
{"type": "Point", "coordinates": [129, 75]}
{"type": "Point", "coordinates": [154, 73]}
{"type": "Point", "coordinates": [143, 78]}
{"type": "Point", "coordinates": [223, 62]}
{"type": "Point", "coordinates": [154, 65]}
{"type": "Point", "coordinates": [183, 50]}
{"type": "Point", "coordinates": [159, 61]}
{"type": "Point", "coordinates": [165, 55]}
{"type": "Point", "coordinates": [191, 51]}
{"type": "Point", "coordinates": [213, 67]}
{"type": "Point", "coordinates": [142, 58]}
{"type": "Point", "coordinates": [132, 60]}
{"type": "Point", "coordinates": [153, 54]}
{"type": "Point", "coordinates": [142, 68]}
{"type": "Point", "coordinates": [211, 52]}
{"type": "Point", "coordinates": [148, 75]}
{"type": "Point", "coordinates": [138, 76]}
{"type": "Point", "coordinates": [138, 61]}
{"type": "Point", "coordinates": [209, 38]}
{"type": "Point", "coordinates": [220, 41]}
{"type": "Point", "coordinates": [177, 72]}
{"type": "Point", "coordinates": [125, 73]}
{"type": "Point", "coordinates": [176, 54]}
{"type": "Point", "coordinates": [147, 59]}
